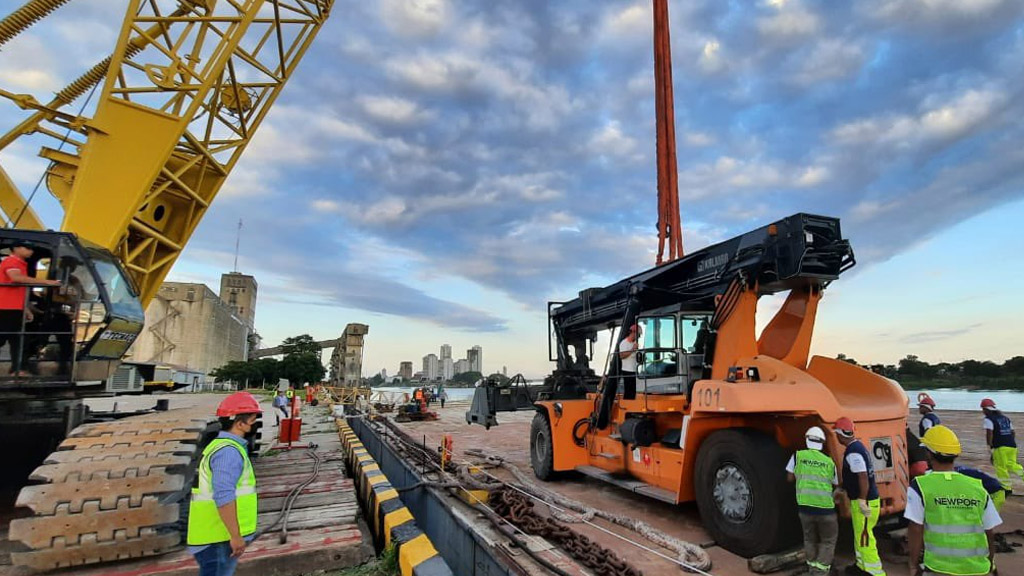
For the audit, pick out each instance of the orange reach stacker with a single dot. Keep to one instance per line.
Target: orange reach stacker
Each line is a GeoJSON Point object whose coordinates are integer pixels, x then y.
{"type": "Point", "coordinates": [713, 412]}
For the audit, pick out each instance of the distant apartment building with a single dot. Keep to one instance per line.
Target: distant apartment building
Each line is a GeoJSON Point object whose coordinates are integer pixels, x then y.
{"type": "Point", "coordinates": [461, 366]}
{"type": "Point", "coordinates": [446, 351]}
{"type": "Point", "coordinates": [475, 356]}
{"type": "Point", "coordinates": [188, 325]}
{"type": "Point", "coordinates": [447, 368]}
{"type": "Point", "coordinates": [405, 370]}
{"type": "Point", "coordinates": [430, 367]}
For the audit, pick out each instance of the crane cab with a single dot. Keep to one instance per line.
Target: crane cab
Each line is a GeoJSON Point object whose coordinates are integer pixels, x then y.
{"type": "Point", "coordinates": [77, 332]}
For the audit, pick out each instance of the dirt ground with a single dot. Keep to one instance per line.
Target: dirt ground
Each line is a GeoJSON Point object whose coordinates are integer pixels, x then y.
{"type": "Point", "coordinates": [511, 439]}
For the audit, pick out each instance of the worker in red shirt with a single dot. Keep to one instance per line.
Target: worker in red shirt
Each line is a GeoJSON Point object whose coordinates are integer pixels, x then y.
{"type": "Point", "coordinates": [14, 280]}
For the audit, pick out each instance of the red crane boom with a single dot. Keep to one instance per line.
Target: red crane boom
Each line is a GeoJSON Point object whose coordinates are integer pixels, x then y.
{"type": "Point", "coordinates": [670, 231]}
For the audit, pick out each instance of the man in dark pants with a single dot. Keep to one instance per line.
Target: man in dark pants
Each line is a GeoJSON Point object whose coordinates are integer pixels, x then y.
{"type": "Point", "coordinates": [14, 280]}
{"type": "Point", "coordinates": [814, 474]}
{"type": "Point", "coordinates": [224, 504]}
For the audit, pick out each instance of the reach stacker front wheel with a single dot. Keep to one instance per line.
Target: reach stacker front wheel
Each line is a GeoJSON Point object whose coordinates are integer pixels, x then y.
{"type": "Point", "coordinates": [742, 494]}
{"type": "Point", "coordinates": [541, 450]}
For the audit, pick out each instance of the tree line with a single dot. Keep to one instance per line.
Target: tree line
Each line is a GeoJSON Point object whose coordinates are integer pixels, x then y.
{"type": "Point", "coordinates": [914, 373]}
{"type": "Point", "coordinates": [301, 364]}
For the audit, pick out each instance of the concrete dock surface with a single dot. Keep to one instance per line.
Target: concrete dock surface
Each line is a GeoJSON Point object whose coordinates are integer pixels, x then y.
{"type": "Point", "coordinates": [329, 533]}
{"type": "Point", "coordinates": [510, 439]}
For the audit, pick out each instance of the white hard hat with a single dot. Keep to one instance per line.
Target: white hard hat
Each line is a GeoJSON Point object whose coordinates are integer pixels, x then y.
{"type": "Point", "coordinates": [815, 438]}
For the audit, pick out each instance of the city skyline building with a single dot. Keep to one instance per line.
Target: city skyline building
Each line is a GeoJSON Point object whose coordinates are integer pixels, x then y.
{"type": "Point", "coordinates": [446, 351]}
{"type": "Point", "coordinates": [405, 370]}
{"type": "Point", "coordinates": [447, 368]}
{"type": "Point", "coordinates": [461, 366]}
{"type": "Point", "coordinates": [475, 357]}
{"type": "Point", "coordinates": [430, 367]}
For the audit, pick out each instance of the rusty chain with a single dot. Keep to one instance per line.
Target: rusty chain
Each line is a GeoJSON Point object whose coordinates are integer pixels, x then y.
{"type": "Point", "coordinates": [513, 506]}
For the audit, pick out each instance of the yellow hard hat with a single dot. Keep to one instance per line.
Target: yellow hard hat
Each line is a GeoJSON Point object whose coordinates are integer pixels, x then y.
{"type": "Point", "coordinates": [941, 440]}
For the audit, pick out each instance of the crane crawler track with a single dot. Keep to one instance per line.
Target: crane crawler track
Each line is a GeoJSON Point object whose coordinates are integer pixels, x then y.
{"type": "Point", "coordinates": [111, 491]}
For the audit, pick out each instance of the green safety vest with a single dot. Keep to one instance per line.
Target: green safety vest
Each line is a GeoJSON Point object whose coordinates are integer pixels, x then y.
{"type": "Point", "coordinates": [814, 473]}
{"type": "Point", "coordinates": [204, 523]}
{"type": "Point", "coordinates": [289, 393]}
{"type": "Point", "coordinates": [954, 535]}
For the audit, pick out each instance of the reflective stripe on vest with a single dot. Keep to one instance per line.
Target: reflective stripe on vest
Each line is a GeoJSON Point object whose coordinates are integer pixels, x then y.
{"type": "Point", "coordinates": [814, 473]}
{"type": "Point", "coordinates": [954, 536]}
{"type": "Point", "coordinates": [204, 523]}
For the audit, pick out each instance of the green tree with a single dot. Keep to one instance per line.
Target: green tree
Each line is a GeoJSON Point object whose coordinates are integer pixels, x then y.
{"type": "Point", "coordinates": [845, 358]}
{"type": "Point", "coordinates": [301, 369]}
{"type": "Point", "coordinates": [376, 380]}
{"type": "Point", "coordinates": [467, 377]}
{"type": "Point", "coordinates": [269, 371]}
{"type": "Point", "coordinates": [913, 367]}
{"type": "Point", "coordinates": [301, 344]}
{"type": "Point", "coordinates": [236, 371]}
{"type": "Point", "coordinates": [1014, 366]}
{"type": "Point", "coordinates": [974, 368]}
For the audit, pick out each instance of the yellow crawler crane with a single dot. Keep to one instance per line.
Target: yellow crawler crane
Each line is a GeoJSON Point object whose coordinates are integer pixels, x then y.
{"type": "Point", "coordinates": [176, 103]}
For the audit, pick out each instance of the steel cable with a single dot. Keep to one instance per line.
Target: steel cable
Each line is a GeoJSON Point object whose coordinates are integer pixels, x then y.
{"type": "Point", "coordinates": [290, 499]}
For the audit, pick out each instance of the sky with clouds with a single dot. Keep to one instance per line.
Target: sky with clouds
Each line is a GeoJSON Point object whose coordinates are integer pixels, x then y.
{"type": "Point", "coordinates": [440, 169]}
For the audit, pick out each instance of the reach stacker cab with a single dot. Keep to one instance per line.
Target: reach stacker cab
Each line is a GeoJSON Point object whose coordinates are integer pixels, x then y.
{"type": "Point", "coordinates": [713, 411]}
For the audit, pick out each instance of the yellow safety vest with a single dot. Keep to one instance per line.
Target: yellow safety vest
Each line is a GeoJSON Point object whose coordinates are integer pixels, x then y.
{"type": "Point", "coordinates": [814, 473]}
{"type": "Point", "coordinates": [954, 536]}
{"type": "Point", "coordinates": [204, 523]}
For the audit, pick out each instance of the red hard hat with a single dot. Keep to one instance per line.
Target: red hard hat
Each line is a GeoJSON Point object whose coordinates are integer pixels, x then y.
{"type": "Point", "coordinates": [988, 403]}
{"type": "Point", "coordinates": [844, 424]}
{"type": "Point", "coordinates": [924, 399]}
{"type": "Point", "coordinates": [238, 403]}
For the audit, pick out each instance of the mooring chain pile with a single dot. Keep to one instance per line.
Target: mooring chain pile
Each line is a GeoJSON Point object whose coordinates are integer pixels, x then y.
{"type": "Point", "coordinates": [513, 506]}
{"type": "Point", "coordinates": [688, 554]}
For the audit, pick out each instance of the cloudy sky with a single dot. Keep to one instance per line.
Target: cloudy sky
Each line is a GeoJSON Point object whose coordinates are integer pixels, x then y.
{"type": "Point", "coordinates": [439, 169]}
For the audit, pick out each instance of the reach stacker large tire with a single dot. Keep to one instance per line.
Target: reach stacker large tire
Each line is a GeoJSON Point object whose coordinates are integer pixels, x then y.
{"type": "Point", "coordinates": [742, 494]}
{"type": "Point", "coordinates": [541, 449]}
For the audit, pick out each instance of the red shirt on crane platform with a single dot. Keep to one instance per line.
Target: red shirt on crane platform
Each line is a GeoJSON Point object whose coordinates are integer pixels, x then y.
{"type": "Point", "coordinates": [12, 297]}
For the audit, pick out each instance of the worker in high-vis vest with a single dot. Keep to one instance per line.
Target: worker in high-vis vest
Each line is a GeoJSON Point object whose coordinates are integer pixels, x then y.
{"type": "Point", "coordinates": [951, 517]}
{"type": "Point", "coordinates": [1002, 440]}
{"type": "Point", "coordinates": [222, 511]}
{"type": "Point", "coordinates": [814, 473]}
{"type": "Point", "coordinates": [858, 481]}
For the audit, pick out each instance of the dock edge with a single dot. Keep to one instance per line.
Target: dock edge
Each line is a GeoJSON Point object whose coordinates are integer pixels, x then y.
{"type": "Point", "coordinates": [388, 518]}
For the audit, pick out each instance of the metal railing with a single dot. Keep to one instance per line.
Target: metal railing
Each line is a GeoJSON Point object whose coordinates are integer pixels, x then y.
{"type": "Point", "coordinates": [32, 337]}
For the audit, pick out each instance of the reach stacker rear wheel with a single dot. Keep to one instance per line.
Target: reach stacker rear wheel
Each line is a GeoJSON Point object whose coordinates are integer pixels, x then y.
{"type": "Point", "coordinates": [742, 494]}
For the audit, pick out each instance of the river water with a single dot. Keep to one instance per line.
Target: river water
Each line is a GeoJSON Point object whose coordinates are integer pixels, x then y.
{"type": "Point", "coordinates": [947, 399]}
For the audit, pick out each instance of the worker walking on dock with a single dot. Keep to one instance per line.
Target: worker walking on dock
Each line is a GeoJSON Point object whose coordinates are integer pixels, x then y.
{"type": "Point", "coordinates": [815, 475]}
{"type": "Point", "coordinates": [926, 407]}
{"type": "Point", "coordinates": [280, 404]}
{"type": "Point", "coordinates": [222, 512]}
{"type": "Point", "coordinates": [951, 515]}
{"type": "Point", "coordinates": [859, 484]}
{"type": "Point", "coordinates": [1002, 440]}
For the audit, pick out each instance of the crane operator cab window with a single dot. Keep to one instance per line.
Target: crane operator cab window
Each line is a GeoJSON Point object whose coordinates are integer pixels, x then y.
{"type": "Point", "coordinates": [658, 355]}
{"type": "Point", "coordinates": [76, 332]}
{"type": "Point", "coordinates": [671, 355]}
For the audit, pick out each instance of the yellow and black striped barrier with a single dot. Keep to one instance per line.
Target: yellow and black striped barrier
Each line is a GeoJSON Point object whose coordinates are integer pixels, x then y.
{"type": "Point", "coordinates": [388, 518]}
